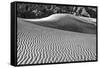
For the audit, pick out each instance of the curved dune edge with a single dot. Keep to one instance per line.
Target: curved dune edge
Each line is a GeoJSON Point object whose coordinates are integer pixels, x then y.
{"type": "Point", "coordinates": [55, 17]}
{"type": "Point", "coordinates": [66, 22]}
{"type": "Point", "coordinates": [37, 44]}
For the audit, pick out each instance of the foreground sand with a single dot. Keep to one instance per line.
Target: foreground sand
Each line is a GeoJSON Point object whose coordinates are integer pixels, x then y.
{"type": "Point", "coordinates": [38, 44]}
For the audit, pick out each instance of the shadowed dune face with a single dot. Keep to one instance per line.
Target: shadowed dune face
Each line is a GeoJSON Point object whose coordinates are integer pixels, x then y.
{"type": "Point", "coordinates": [38, 44]}
{"type": "Point", "coordinates": [66, 22]}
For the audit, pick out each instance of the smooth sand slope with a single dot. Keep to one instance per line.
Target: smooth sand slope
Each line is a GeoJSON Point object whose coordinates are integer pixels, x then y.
{"type": "Point", "coordinates": [38, 44]}
{"type": "Point", "coordinates": [67, 22]}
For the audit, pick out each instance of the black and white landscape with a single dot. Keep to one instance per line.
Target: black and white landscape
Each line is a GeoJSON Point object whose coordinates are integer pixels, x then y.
{"type": "Point", "coordinates": [58, 37]}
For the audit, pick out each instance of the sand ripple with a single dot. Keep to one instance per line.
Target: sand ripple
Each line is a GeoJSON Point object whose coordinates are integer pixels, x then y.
{"type": "Point", "coordinates": [37, 44]}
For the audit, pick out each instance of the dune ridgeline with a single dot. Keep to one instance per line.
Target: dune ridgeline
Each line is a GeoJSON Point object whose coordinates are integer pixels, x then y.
{"type": "Point", "coordinates": [67, 22]}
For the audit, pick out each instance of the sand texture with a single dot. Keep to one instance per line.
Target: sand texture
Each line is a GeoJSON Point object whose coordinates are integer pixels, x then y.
{"type": "Point", "coordinates": [38, 43]}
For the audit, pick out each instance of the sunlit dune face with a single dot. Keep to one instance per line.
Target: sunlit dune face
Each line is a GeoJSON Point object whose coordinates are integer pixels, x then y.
{"type": "Point", "coordinates": [53, 17]}
{"type": "Point", "coordinates": [59, 16]}
{"type": "Point", "coordinates": [66, 22]}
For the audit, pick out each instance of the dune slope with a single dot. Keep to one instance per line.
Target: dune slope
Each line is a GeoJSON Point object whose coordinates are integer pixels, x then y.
{"type": "Point", "coordinates": [67, 22]}
{"type": "Point", "coordinates": [37, 44]}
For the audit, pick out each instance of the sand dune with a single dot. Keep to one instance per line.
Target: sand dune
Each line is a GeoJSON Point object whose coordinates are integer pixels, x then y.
{"type": "Point", "coordinates": [55, 17]}
{"type": "Point", "coordinates": [38, 44]}
{"type": "Point", "coordinates": [67, 22]}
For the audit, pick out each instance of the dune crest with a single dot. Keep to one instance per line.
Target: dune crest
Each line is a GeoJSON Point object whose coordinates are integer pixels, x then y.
{"type": "Point", "coordinates": [55, 17]}
{"type": "Point", "coordinates": [66, 22]}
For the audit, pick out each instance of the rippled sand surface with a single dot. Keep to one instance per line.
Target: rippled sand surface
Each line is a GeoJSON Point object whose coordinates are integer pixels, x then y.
{"type": "Point", "coordinates": [38, 44]}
